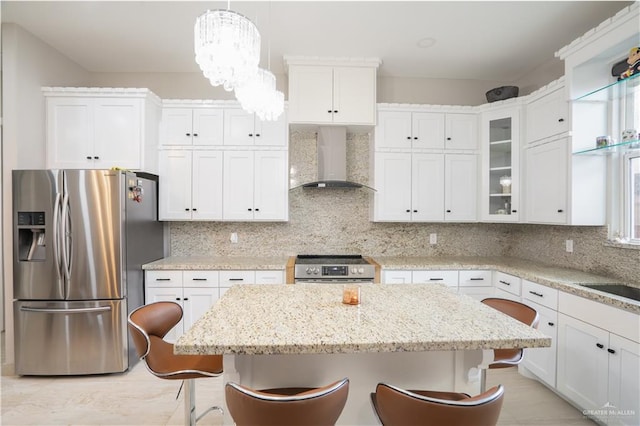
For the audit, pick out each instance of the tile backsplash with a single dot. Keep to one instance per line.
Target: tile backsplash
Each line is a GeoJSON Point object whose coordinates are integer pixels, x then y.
{"type": "Point", "coordinates": [323, 221]}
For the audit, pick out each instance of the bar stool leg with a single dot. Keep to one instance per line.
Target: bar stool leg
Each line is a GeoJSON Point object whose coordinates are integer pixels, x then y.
{"type": "Point", "coordinates": [483, 380]}
{"type": "Point", "coordinates": [190, 402]}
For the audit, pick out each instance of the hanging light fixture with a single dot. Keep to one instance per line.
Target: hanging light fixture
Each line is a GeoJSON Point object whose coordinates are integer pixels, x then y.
{"type": "Point", "coordinates": [259, 95]}
{"type": "Point", "coordinates": [227, 47]}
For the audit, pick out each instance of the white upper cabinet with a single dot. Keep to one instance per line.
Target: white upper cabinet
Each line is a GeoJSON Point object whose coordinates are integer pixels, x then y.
{"type": "Point", "coordinates": [546, 196]}
{"type": "Point", "coordinates": [500, 165]}
{"type": "Point", "coordinates": [191, 185]}
{"type": "Point", "coordinates": [547, 115]}
{"type": "Point", "coordinates": [255, 186]}
{"type": "Point", "coordinates": [461, 131]}
{"type": "Point", "coordinates": [405, 130]}
{"type": "Point", "coordinates": [191, 126]}
{"type": "Point", "coordinates": [332, 92]}
{"type": "Point", "coordinates": [242, 128]}
{"type": "Point", "coordinates": [461, 188]}
{"type": "Point", "coordinates": [426, 130]}
{"type": "Point", "coordinates": [101, 128]}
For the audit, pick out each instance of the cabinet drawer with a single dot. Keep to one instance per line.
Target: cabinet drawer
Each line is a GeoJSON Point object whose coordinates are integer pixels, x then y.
{"type": "Point", "coordinates": [475, 279]}
{"type": "Point", "coordinates": [397, 277]}
{"type": "Point", "coordinates": [269, 277]}
{"type": "Point", "coordinates": [537, 293]}
{"type": "Point", "coordinates": [164, 278]}
{"type": "Point", "coordinates": [507, 282]}
{"type": "Point", "coordinates": [200, 278]}
{"type": "Point", "coordinates": [450, 278]}
{"type": "Point", "coordinates": [229, 278]}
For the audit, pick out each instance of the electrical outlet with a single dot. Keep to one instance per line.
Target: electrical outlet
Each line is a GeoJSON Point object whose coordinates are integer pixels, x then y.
{"type": "Point", "coordinates": [234, 237]}
{"type": "Point", "coordinates": [569, 246]}
{"type": "Point", "coordinates": [433, 238]}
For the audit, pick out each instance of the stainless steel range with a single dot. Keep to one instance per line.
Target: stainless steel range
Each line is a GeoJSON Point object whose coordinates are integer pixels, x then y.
{"type": "Point", "coordinates": [333, 269]}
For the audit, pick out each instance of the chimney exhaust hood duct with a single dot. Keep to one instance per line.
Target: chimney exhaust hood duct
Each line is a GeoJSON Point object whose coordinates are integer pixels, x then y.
{"type": "Point", "coordinates": [332, 159]}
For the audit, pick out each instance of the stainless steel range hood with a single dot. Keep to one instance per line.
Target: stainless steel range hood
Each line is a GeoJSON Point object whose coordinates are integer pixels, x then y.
{"type": "Point", "coordinates": [332, 159]}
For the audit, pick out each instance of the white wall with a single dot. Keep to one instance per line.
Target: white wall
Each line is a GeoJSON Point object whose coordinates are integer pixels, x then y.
{"type": "Point", "coordinates": [28, 64]}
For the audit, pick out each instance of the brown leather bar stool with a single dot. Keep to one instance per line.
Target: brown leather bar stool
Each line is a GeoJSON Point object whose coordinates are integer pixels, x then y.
{"type": "Point", "coordinates": [504, 358]}
{"type": "Point", "coordinates": [288, 406]}
{"type": "Point", "coordinates": [148, 325]}
{"type": "Point", "coordinates": [396, 406]}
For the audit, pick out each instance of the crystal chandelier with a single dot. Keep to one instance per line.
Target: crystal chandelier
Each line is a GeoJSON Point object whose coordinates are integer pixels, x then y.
{"type": "Point", "coordinates": [227, 47]}
{"type": "Point", "coordinates": [259, 95]}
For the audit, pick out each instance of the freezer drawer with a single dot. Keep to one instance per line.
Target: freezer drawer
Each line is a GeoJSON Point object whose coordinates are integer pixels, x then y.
{"type": "Point", "coordinates": [68, 338]}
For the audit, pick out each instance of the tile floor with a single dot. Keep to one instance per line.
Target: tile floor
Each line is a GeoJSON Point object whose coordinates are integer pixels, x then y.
{"type": "Point", "coordinates": [138, 398]}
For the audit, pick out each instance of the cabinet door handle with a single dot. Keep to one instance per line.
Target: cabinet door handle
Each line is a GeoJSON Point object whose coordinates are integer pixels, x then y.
{"type": "Point", "coordinates": [88, 157]}
{"type": "Point", "coordinates": [514, 211]}
{"type": "Point", "coordinates": [177, 298]}
{"type": "Point", "coordinates": [409, 137]}
{"type": "Point", "coordinates": [249, 210]}
{"type": "Point", "coordinates": [611, 351]}
{"type": "Point", "coordinates": [448, 211]}
{"type": "Point", "coordinates": [188, 134]}
{"type": "Point", "coordinates": [163, 279]}
{"type": "Point", "coordinates": [476, 279]}
{"type": "Point", "coordinates": [504, 282]}
{"type": "Point", "coordinates": [257, 135]}
{"type": "Point", "coordinates": [415, 138]}
{"type": "Point", "coordinates": [448, 139]}
{"type": "Point", "coordinates": [186, 298]}
{"type": "Point", "coordinates": [550, 324]}
{"type": "Point", "coordinates": [199, 279]}
{"type": "Point", "coordinates": [560, 120]}
{"type": "Point", "coordinates": [96, 158]}
{"type": "Point", "coordinates": [600, 345]}
{"type": "Point", "coordinates": [250, 135]}
{"type": "Point", "coordinates": [436, 279]}
{"type": "Point", "coordinates": [186, 210]}
{"type": "Point", "coordinates": [195, 134]}
{"type": "Point", "coordinates": [560, 210]}
{"type": "Point", "coordinates": [194, 210]}
{"type": "Point", "coordinates": [257, 210]}
{"type": "Point", "coordinates": [236, 279]}
{"type": "Point", "coordinates": [329, 111]}
{"type": "Point", "coordinates": [335, 111]}
{"type": "Point", "coordinates": [536, 294]}
{"type": "Point", "coordinates": [415, 211]}
{"type": "Point", "coordinates": [408, 211]}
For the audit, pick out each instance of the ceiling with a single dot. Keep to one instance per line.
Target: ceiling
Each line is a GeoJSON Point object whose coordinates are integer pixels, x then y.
{"type": "Point", "coordinates": [494, 41]}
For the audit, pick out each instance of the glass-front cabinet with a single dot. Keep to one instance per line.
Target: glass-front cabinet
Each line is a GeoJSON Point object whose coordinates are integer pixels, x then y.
{"type": "Point", "coordinates": [500, 159]}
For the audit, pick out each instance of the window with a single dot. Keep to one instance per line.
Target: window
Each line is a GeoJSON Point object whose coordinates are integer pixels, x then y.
{"type": "Point", "coordinates": [632, 196]}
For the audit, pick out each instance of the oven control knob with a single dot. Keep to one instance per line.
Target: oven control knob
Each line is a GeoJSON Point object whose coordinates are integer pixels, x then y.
{"type": "Point", "coordinates": [361, 270]}
{"type": "Point", "coordinates": [354, 270]}
{"type": "Point", "coordinates": [316, 271]}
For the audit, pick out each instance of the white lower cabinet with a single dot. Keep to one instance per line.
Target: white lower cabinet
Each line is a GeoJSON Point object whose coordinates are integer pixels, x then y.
{"type": "Point", "coordinates": [542, 361]}
{"type": "Point", "coordinates": [194, 291]}
{"type": "Point", "coordinates": [397, 277]}
{"type": "Point", "coordinates": [597, 369]}
{"type": "Point", "coordinates": [476, 284]}
{"type": "Point", "coordinates": [448, 278]}
{"type": "Point", "coordinates": [509, 284]}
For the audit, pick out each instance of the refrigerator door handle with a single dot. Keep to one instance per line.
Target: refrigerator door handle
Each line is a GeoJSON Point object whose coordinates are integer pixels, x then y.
{"type": "Point", "coordinates": [66, 236]}
{"type": "Point", "coordinates": [65, 311]}
{"type": "Point", "coordinates": [56, 236]}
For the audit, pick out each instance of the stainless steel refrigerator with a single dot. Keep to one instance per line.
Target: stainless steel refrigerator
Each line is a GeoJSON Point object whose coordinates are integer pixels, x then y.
{"type": "Point", "coordinates": [80, 238]}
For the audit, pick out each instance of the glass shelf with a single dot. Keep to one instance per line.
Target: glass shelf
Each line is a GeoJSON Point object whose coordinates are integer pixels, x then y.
{"type": "Point", "coordinates": [500, 194]}
{"type": "Point", "coordinates": [500, 169]}
{"type": "Point", "coordinates": [604, 150]}
{"type": "Point", "coordinates": [613, 90]}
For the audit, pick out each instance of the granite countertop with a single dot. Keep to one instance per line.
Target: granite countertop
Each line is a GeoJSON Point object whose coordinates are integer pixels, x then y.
{"type": "Point", "coordinates": [217, 263]}
{"type": "Point", "coordinates": [564, 279]}
{"type": "Point", "coordinates": [311, 319]}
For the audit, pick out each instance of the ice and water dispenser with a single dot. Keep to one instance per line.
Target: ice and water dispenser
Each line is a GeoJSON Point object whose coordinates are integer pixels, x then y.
{"type": "Point", "coordinates": [31, 236]}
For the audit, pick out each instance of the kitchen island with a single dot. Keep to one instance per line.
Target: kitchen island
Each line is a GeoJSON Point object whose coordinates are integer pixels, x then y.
{"type": "Point", "coordinates": [412, 336]}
